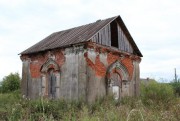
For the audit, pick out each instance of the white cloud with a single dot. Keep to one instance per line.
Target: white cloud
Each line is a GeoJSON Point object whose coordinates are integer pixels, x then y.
{"type": "Point", "coordinates": [11, 3]}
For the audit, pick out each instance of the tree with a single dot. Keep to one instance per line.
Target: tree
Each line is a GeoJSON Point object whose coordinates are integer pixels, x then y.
{"type": "Point", "coordinates": [10, 83]}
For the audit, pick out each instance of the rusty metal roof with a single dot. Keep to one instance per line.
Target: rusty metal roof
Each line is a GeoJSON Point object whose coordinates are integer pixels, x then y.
{"type": "Point", "coordinates": [75, 35]}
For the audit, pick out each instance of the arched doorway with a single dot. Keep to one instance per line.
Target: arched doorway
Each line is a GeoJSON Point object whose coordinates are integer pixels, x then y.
{"type": "Point", "coordinates": [115, 85]}
{"type": "Point", "coordinates": [116, 75]}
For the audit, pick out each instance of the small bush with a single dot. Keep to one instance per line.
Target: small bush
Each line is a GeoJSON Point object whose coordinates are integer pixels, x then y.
{"type": "Point", "coordinates": [156, 92]}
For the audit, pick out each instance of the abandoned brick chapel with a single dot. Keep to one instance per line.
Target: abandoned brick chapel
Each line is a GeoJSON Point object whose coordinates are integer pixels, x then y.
{"type": "Point", "coordinates": [83, 63]}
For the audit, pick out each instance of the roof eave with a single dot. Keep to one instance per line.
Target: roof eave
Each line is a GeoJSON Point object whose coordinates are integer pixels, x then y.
{"type": "Point", "coordinates": [34, 52]}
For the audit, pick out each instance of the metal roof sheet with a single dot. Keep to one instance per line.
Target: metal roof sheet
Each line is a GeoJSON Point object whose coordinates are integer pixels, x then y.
{"type": "Point", "coordinates": [76, 35]}
{"type": "Point", "coordinates": [67, 37]}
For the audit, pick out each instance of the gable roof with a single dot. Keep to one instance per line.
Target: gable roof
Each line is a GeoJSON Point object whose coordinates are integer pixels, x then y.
{"type": "Point", "coordinates": [77, 35]}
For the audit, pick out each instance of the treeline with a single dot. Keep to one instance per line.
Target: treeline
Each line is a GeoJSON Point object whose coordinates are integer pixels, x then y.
{"type": "Point", "coordinates": [10, 83]}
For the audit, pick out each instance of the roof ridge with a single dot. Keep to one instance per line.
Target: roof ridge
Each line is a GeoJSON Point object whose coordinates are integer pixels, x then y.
{"type": "Point", "coordinates": [76, 35]}
{"type": "Point", "coordinates": [113, 18]}
{"type": "Point", "coordinates": [86, 24]}
{"type": "Point", "coordinates": [36, 46]}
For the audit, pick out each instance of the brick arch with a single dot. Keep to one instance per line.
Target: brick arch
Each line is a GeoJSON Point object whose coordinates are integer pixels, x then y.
{"type": "Point", "coordinates": [50, 79]}
{"type": "Point", "coordinates": [119, 68]}
{"type": "Point", "coordinates": [50, 63]}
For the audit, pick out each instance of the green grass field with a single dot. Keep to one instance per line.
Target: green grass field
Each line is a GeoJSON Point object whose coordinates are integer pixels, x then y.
{"type": "Point", "coordinates": [156, 103]}
{"type": "Point", "coordinates": [13, 108]}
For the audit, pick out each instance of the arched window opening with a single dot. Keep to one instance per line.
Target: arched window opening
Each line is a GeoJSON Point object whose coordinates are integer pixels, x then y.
{"type": "Point", "coordinates": [51, 83]}
{"type": "Point", "coordinates": [50, 80]}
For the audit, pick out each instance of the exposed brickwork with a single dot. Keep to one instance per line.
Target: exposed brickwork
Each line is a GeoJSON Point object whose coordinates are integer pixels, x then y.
{"type": "Point", "coordinates": [37, 60]}
{"type": "Point", "coordinates": [51, 66]}
{"type": "Point", "coordinates": [136, 58]}
{"type": "Point", "coordinates": [129, 65]}
{"type": "Point", "coordinates": [35, 70]}
{"type": "Point", "coordinates": [89, 62]}
{"type": "Point", "coordinates": [98, 67]}
{"type": "Point", "coordinates": [112, 56]}
{"type": "Point", "coordinates": [35, 65]}
{"type": "Point", "coordinates": [115, 71]}
{"type": "Point", "coordinates": [59, 57]}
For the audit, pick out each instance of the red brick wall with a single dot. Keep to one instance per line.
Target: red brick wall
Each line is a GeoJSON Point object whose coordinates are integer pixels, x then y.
{"type": "Point", "coordinates": [112, 56]}
{"type": "Point", "coordinates": [98, 67]}
{"type": "Point", "coordinates": [129, 65]}
{"type": "Point", "coordinates": [37, 60]}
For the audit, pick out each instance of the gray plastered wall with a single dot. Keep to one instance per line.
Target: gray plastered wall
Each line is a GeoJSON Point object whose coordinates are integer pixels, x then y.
{"type": "Point", "coordinates": [77, 80]}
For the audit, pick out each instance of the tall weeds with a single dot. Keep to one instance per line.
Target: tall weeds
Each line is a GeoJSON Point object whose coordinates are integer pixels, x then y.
{"type": "Point", "coordinates": [150, 106]}
{"type": "Point", "coordinates": [157, 93]}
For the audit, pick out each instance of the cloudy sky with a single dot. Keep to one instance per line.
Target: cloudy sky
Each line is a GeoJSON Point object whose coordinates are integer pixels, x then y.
{"type": "Point", "coordinates": [154, 25]}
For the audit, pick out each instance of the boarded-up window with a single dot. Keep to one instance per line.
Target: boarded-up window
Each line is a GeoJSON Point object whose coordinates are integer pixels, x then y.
{"type": "Point", "coordinates": [51, 84]}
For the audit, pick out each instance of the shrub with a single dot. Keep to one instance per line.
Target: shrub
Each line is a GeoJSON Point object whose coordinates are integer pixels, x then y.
{"type": "Point", "coordinates": [10, 83]}
{"type": "Point", "coordinates": [156, 92]}
{"type": "Point", "coordinates": [7, 103]}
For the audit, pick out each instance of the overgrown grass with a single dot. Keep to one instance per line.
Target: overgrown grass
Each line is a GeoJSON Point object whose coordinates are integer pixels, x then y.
{"type": "Point", "coordinates": [14, 108]}
{"type": "Point", "coordinates": [176, 87]}
{"type": "Point", "coordinates": [157, 92]}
